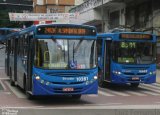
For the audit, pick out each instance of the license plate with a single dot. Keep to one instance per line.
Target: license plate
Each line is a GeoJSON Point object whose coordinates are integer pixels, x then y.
{"type": "Point", "coordinates": [68, 89]}
{"type": "Point", "coordinates": [135, 78]}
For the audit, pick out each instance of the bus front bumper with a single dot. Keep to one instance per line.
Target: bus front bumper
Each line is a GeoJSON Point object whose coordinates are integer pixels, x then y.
{"type": "Point", "coordinates": [148, 79]}
{"type": "Point", "coordinates": [57, 89]}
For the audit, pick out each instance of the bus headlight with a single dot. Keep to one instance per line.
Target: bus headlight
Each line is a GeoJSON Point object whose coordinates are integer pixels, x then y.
{"type": "Point", "coordinates": [152, 73]}
{"type": "Point", "coordinates": [42, 81]}
{"type": "Point", "coordinates": [87, 82]}
{"type": "Point", "coordinates": [95, 77]}
{"type": "Point", "coordinates": [91, 81]}
{"type": "Point", "coordinates": [47, 83]}
{"type": "Point", "coordinates": [117, 72]}
{"type": "Point", "coordinates": [37, 77]}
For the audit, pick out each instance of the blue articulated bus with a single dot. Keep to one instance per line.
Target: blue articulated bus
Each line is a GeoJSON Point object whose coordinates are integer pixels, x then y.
{"type": "Point", "coordinates": [4, 32]}
{"type": "Point", "coordinates": [9, 54]}
{"type": "Point", "coordinates": [54, 59]}
{"type": "Point", "coordinates": [126, 57]}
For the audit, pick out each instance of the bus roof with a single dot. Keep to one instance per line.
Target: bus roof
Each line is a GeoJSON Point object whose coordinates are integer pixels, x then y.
{"type": "Point", "coordinates": [90, 31]}
{"type": "Point", "coordinates": [64, 25]}
{"type": "Point", "coordinates": [7, 31]}
{"type": "Point", "coordinates": [116, 36]}
{"type": "Point", "coordinates": [34, 28]}
{"type": "Point", "coordinates": [106, 34]}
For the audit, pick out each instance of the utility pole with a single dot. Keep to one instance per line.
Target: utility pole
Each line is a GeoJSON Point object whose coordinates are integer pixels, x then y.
{"type": "Point", "coordinates": [102, 15]}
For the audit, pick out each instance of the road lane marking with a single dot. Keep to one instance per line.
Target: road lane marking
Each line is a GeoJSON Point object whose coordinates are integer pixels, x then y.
{"type": "Point", "coordinates": [2, 68]}
{"type": "Point", "coordinates": [156, 84]}
{"type": "Point", "coordinates": [4, 78]}
{"type": "Point", "coordinates": [150, 86]}
{"type": "Point", "coordinates": [6, 93]}
{"type": "Point", "coordinates": [92, 95]}
{"type": "Point", "coordinates": [111, 92]}
{"type": "Point", "coordinates": [151, 89]}
{"type": "Point", "coordinates": [104, 93]}
{"type": "Point", "coordinates": [116, 92]}
{"type": "Point", "coordinates": [96, 106]}
{"type": "Point", "coordinates": [18, 107]}
{"type": "Point", "coordinates": [150, 93]}
{"type": "Point", "coordinates": [15, 90]}
{"type": "Point", "coordinates": [105, 104]}
{"type": "Point", "coordinates": [4, 87]}
{"type": "Point", "coordinates": [135, 93]}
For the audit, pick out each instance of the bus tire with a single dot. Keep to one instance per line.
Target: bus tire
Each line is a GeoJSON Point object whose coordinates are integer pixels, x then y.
{"type": "Point", "coordinates": [29, 96]}
{"type": "Point", "coordinates": [134, 85]}
{"type": "Point", "coordinates": [101, 82]}
{"type": "Point", "coordinates": [11, 81]}
{"type": "Point", "coordinates": [77, 97]}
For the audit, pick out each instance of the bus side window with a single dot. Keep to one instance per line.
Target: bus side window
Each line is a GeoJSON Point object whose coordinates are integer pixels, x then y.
{"type": "Point", "coordinates": [12, 46]}
{"type": "Point", "coordinates": [99, 48]}
{"type": "Point", "coordinates": [26, 46]}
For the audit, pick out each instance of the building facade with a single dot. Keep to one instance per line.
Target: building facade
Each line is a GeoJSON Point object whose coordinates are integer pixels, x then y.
{"type": "Point", "coordinates": [53, 6]}
{"type": "Point", "coordinates": [104, 14]}
{"type": "Point", "coordinates": [16, 6]}
{"type": "Point", "coordinates": [139, 15]}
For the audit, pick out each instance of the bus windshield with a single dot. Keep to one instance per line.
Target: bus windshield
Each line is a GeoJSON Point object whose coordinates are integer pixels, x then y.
{"type": "Point", "coordinates": [65, 54]}
{"type": "Point", "coordinates": [134, 52]}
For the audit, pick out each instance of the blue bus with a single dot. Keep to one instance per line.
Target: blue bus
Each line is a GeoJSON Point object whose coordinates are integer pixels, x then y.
{"type": "Point", "coordinates": [4, 32]}
{"type": "Point", "coordinates": [54, 59]}
{"type": "Point", "coordinates": [126, 58]}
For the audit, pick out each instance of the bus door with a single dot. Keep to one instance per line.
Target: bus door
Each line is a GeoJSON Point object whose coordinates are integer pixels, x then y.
{"type": "Point", "coordinates": [7, 53]}
{"type": "Point", "coordinates": [30, 59]}
{"type": "Point", "coordinates": [15, 59]}
{"type": "Point", "coordinates": [107, 59]}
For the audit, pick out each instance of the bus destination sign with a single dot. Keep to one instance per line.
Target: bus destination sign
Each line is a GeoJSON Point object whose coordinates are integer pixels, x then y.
{"type": "Point", "coordinates": [136, 36]}
{"type": "Point", "coordinates": [52, 30]}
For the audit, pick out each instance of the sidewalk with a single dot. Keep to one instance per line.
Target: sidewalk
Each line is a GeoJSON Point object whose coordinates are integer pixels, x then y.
{"type": "Point", "coordinates": [158, 76]}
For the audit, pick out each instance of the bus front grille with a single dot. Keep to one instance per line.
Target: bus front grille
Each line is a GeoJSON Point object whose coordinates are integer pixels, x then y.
{"type": "Point", "coordinates": [67, 74]}
{"type": "Point", "coordinates": [132, 74]}
{"type": "Point", "coordinates": [66, 83]}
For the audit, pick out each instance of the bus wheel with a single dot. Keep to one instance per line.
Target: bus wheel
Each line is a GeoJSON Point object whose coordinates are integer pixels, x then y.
{"type": "Point", "coordinates": [101, 83]}
{"type": "Point", "coordinates": [29, 96]}
{"type": "Point", "coordinates": [78, 96]}
{"type": "Point", "coordinates": [134, 85]}
{"type": "Point", "coordinates": [11, 82]}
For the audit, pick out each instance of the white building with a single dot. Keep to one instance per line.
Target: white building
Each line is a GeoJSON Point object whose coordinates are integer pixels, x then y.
{"type": "Point", "coordinates": [109, 14]}
{"type": "Point", "coordinates": [78, 2]}
{"type": "Point", "coordinates": [104, 14]}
